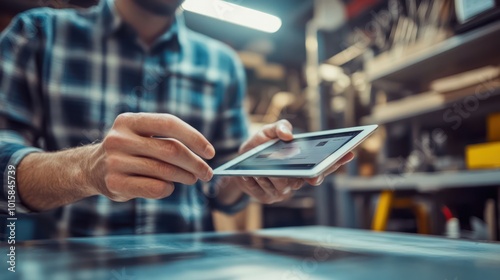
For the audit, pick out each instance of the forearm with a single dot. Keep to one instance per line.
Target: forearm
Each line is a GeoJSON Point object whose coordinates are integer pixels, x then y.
{"type": "Point", "coordinates": [50, 180]}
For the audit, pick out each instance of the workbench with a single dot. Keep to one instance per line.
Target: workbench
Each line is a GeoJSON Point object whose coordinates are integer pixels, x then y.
{"type": "Point", "coordinates": [284, 253]}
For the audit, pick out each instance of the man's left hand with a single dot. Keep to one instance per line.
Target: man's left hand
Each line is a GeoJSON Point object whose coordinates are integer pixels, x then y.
{"type": "Point", "coordinates": [271, 190]}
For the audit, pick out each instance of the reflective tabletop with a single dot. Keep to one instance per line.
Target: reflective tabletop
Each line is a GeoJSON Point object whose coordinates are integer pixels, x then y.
{"type": "Point", "coordinates": [285, 253]}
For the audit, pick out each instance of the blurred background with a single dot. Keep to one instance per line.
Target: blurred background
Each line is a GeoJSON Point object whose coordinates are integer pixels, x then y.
{"type": "Point", "coordinates": [427, 71]}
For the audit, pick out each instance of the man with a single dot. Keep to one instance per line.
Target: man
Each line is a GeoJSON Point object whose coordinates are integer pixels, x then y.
{"type": "Point", "coordinates": [70, 82]}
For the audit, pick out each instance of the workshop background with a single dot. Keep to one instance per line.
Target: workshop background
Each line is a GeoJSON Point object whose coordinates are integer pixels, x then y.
{"type": "Point", "coordinates": [427, 71]}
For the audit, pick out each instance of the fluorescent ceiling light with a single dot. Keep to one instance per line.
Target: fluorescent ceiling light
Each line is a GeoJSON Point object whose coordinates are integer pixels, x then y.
{"type": "Point", "coordinates": [234, 13]}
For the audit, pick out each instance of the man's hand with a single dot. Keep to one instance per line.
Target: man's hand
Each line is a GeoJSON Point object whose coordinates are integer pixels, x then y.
{"type": "Point", "coordinates": [131, 163]}
{"type": "Point", "coordinates": [271, 190]}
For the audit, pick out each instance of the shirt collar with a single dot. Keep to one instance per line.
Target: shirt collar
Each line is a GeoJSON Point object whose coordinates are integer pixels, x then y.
{"type": "Point", "coordinates": [111, 22]}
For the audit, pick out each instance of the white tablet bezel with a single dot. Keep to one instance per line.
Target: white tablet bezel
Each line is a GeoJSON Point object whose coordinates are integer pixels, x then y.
{"type": "Point", "coordinates": [309, 173]}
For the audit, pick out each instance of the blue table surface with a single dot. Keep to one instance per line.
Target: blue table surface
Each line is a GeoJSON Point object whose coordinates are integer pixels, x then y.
{"type": "Point", "coordinates": [284, 253]}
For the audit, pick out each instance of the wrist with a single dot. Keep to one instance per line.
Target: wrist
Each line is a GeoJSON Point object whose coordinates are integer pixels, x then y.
{"type": "Point", "coordinates": [47, 180]}
{"type": "Point", "coordinates": [91, 170]}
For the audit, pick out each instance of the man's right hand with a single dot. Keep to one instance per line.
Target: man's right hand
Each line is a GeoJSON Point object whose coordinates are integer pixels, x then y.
{"type": "Point", "coordinates": [131, 163]}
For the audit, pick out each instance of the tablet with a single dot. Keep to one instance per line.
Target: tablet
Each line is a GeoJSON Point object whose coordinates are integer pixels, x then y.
{"type": "Point", "coordinates": [306, 156]}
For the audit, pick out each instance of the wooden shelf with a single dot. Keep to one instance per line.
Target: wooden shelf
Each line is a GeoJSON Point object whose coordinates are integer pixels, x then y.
{"type": "Point", "coordinates": [423, 104]}
{"type": "Point", "coordinates": [454, 55]}
{"type": "Point", "coordinates": [421, 181]}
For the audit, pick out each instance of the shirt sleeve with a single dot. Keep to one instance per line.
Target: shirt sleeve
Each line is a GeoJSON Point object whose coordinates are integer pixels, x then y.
{"type": "Point", "coordinates": [231, 130]}
{"type": "Point", "coordinates": [20, 111]}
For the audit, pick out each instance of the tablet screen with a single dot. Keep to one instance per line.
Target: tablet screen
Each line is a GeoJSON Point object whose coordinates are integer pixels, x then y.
{"type": "Point", "coordinates": [298, 154]}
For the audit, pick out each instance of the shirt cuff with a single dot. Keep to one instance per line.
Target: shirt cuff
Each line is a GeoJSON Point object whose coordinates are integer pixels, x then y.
{"type": "Point", "coordinates": [233, 208]}
{"type": "Point", "coordinates": [14, 160]}
{"type": "Point", "coordinates": [230, 209]}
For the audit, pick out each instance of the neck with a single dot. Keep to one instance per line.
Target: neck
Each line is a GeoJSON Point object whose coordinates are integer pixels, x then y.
{"type": "Point", "coordinates": [147, 25]}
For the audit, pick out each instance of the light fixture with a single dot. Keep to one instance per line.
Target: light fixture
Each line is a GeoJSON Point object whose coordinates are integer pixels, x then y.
{"type": "Point", "coordinates": [234, 13]}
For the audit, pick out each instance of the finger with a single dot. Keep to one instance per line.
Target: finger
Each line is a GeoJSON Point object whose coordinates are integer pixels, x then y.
{"type": "Point", "coordinates": [268, 187]}
{"type": "Point", "coordinates": [165, 125]}
{"type": "Point", "coordinates": [254, 141]}
{"type": "Point", "coordinates": [176, 153]}
{"type": "Point", "coordinates": [347, 158]}
{"type": "Point", "coordinates": [280, 183]}
{"type": "Point", "coordinates": [287, 195]}
{"type": "Point", "coordinates": [173, 152]}
{"type": "Point", "coordinates": [146, 167]}
{"type": "Point", "coordinates": [251, 187]}
{"type": "Point", "coordinates": [149, 188]}
{"type": "Point", "coordinates": [128, 187]}
{"type": "Point", "coordinates": [284, 188]}
{"type": "Point", "coordinates": [316, 181]}
{"type": "Point", "coordinates": [297, 184]}
{"type": "Point", "coordinates": [344, 160]}
{"type": "Point", "coordinates": [281, 129]}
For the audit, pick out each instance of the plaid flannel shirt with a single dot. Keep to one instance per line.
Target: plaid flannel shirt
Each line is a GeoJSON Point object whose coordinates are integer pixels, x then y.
{"type": "Point", "coordinates": [66, 74]}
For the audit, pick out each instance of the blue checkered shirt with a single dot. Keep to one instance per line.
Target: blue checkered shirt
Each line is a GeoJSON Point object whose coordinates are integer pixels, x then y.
{"type": "Point", "coordinates": [64, 77]}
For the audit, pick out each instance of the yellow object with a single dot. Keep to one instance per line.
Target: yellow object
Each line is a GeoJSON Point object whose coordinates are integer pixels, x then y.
{"type": "Point", "coordinates": [422, 216]}
{"type": "Point", "coordinates": [383, 209]}
{"type": "Point", "coordinates": [388, 201]}
{"type": "Point", "coordinates": [493, 127]}
{"type": "Point", "coordinates": [485, 156]}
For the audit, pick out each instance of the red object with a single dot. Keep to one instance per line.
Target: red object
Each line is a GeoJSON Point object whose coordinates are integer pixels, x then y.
{"type": "Point", "coordinates": [356, 7]}
{"type": "Point", "coordinates": [447, 212]}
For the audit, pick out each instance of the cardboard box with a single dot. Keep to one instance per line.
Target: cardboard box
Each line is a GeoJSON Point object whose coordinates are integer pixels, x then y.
{"type": "Point", "coordinates": [483, 156]}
